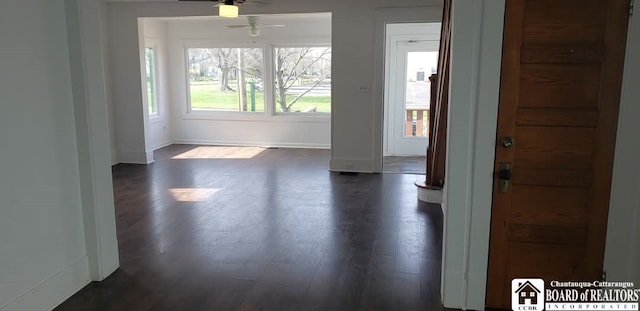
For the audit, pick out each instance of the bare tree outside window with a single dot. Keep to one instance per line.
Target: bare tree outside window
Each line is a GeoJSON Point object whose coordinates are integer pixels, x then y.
{"type": "Point", "coordinates": [226, 79]}
{"type": "Point", "coordinates": [303, 79]}
{"type": "Point", "coordinates": [150, 60]}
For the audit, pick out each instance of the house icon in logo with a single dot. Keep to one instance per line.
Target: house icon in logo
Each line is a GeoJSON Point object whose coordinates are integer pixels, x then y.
{"type": "Point", "coordinates": [527, 293]}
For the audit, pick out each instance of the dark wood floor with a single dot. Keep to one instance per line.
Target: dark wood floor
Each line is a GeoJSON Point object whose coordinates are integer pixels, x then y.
{"type": "Point", "coordinates": [218, 228]}
{"type": "Point", "coordinates": [404, 165]}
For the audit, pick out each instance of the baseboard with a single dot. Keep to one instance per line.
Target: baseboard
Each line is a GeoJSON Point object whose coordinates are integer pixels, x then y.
{"type": "Point", "coordinates": [452, 293]}
{"type": "Point", "coordinates": [162, 145]}
{"type": "Point", "coordinates": [251, 144]}
{"type": "Point", "coordinates": [114, 157]}
{"type": "Point", "coordinates": [135, 157]}
{"type": "Point", "coordinates": [54, 290]}
{"type": "Point", "coordinates": [351, 165]}
{"type": "Point", "coordinates": [430, 195]}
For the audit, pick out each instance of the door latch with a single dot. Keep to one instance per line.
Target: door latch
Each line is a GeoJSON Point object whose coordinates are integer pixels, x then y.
{"type": "Point", "coordinates": [504, 176]}
{"type": "Point", "coordinates": [506, 142]}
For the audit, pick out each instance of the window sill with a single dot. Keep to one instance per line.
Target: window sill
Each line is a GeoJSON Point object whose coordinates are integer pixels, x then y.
{"type": "Point", "coordinates": [257, 116]}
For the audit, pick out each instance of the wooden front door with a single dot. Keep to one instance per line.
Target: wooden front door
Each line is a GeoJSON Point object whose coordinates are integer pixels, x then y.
{"type": "Point", "coordinates": [560, 89]}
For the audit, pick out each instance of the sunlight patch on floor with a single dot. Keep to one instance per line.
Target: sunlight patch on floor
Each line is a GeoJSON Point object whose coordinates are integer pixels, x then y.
{"type": "Point", "coordinates": [220, 152]}
{"type": "Point", "coordinates": [192, 194]}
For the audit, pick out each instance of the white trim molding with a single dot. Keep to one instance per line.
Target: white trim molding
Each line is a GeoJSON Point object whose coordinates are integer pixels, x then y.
{"type": "Point", "coordinates": [92, 134]}
{"type": "Point", "coordinates": [250, 144]}
{"type": "Point", "coordinates": [54, 290]}
{"type": "Point", "coordinates": [475, 83]}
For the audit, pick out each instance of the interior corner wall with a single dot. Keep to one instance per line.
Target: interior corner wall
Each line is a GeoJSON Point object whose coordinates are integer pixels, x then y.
{"type": "Point", "coordinates": [104, 36]}
{"type": "Point", "coordinates": [125, 96]}
{"type": "Point", "coordinates": [155, 34]}
{"type": "Point", "coordinates": [43, 259]}
{"type": "Point", "coordinates": [92, 134]}
{"type": "Point", "coordinates": [623, 229]}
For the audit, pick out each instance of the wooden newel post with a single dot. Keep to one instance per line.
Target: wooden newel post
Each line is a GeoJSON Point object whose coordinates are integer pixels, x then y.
{"type": "Point", "coordinates": [439, 108]}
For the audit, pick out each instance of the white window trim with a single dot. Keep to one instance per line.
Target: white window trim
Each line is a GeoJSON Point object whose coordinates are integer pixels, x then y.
{"type": "Point", "coordinates": [269, 114]}
{"type": "Point", "coordinates": [155, 45]}
{"type": "Point", "coordinates": [219, 114]}
{"type": "Point", "coordinates": [312, 44]}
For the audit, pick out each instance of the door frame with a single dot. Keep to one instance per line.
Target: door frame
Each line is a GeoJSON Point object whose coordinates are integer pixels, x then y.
{"type": "Point", "coordinates": [384, 17]}
{"type": "Point", "coordinates": [471, 150]}
{"type": "Point", "coordinates": [395, 87]}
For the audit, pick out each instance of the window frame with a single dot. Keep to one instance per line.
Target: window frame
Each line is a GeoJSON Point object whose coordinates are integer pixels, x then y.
{"type": "Point", "coordinates": [268, 49]}
{"type": "Point", "coordinates": [310, 44]}
{"type": "Point", "coordinates": [154, 46]}
{"type": "Point", "coordinates": [191, 113]}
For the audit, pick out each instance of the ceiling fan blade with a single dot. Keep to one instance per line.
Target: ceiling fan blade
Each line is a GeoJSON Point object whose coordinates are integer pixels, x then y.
{"type": "Point", "coordinates": [258, 2]}
{"type": "Point", "coordinates": [238, 26]}
{"type": "Point", "coordinates": [271, 26]}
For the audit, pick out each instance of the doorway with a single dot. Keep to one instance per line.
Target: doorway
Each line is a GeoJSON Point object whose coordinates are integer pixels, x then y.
{"type": "Point", "coordinates": [411, 59]}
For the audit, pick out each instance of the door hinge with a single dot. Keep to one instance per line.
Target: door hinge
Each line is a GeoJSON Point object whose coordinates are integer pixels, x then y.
{"type": "Point", "coordinates": [631, 5]}
{"type": "Point", "coordinates": [604, 275]}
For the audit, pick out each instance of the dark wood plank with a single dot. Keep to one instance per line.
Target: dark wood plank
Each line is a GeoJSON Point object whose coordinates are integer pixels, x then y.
{"type": "Point", "coordinates": [558, 117]}
{"type": "Point", "coordinates": [546, 234]}
{"type": "Point", "coordinates": [559, 85]}
{"type": "Point", "coordinates": [554, 147]}
{"type": "Point", "coordinates": [296, 238]}
{"type": "Point", "coordinates": [526, 257]}
{"type": "Point", "coordinates": [550, 205]}
{"type": "Point", "coordinates": [552, 178]}
{"type": "Point", "coordinates": [561, 25]}
{"type": "Point", "coordinates": [562, 54]}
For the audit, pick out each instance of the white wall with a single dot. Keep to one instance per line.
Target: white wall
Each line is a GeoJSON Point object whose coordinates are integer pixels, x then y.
{"type": "Point", "coordinates": [104, 36]}
{"type": "Point", "coordinates": [155, 35]}
{"type": "Point", "coordinates": [623, 234]}
{"type": "Point", "coordinates": [475, 82]}
{"type": "Point", "coordinates": [90, 108]}
{"type": "Point", "coordinates": [43, 258]}
{"type": "Point", "coordinates": [477, 42]}
{"type": "Point", "coordinates": [353, 65]}
{"type": "Point", "coordinates": [125, 93]}
{"type": "Point", "coordinates": [263, 129]}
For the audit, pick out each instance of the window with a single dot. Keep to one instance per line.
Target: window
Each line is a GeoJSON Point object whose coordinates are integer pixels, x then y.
{"type": "Point", "coordinates": [150, 57]}
{"type": "Point", "coordinates": [226, 79]}
{"type": "Point", "coordinates": [303, 79]}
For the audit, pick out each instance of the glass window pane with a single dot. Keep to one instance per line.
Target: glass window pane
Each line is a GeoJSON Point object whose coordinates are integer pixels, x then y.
{"type": "Point", "coordinates": [303, 79]}
{"type": "Point", "coordinates": [226, 79]}
{"type": "Point", "coordinates": [420, 66]}
{"type": "Point", "coordinates": [151, 77]}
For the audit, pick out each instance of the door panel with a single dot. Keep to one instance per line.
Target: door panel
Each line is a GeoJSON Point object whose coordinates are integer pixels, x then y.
{"type": "Point", "coordinates": [560, 91]}
{"type": "Point", "coordinates": [559, 85]}
{"type": "Point", "coordinates": [414, 64]}
{"type": "Point", "coordinates": [566, 21]}
{"type": "Point", "coordinates": [566, 117]}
